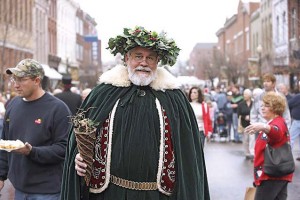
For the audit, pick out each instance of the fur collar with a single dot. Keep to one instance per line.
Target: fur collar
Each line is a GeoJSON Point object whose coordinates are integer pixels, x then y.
{"type": "Point", "coordinates": [118, 76]}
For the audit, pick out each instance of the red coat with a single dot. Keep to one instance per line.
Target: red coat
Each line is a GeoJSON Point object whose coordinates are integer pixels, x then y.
{"type": "Point", "coordinates": [276, 137]}
{"type": "Point", "coordinates": [206, 119]}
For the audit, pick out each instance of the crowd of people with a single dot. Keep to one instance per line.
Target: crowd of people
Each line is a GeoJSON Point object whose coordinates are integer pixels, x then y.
{"type": "Point", "coordinates": [242, 106]}
{"type": "Point", "coordinates": [256, 117]}
{"type": "Point", "coordinates": [136, 135]}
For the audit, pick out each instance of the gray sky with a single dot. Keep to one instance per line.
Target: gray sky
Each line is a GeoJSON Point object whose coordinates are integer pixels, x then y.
{"type": "Point", "coordinates": [186, 21]}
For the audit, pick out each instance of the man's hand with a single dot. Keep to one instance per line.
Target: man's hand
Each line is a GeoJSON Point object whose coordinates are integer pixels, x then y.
{"type": "Point", "coordinates": [80, 166]}
{"type": "Point", "coordinates": [24, 150]}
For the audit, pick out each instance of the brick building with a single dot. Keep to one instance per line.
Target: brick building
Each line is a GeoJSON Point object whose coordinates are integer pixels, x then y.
{"type": "Point", "coordinates": [49, 31]}
{"type": "Point", "coordinates": [234, 43]}
{"type": "Point", "coordinates": [16, 36]}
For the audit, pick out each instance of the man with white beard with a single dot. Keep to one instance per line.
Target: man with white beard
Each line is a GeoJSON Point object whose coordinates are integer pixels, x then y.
{"type": "Point", "coordinates": [147, 143]}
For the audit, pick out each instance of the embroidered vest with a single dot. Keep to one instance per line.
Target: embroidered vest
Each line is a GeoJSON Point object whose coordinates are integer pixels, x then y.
{"type": "Point", "coordinates": [102, 155]}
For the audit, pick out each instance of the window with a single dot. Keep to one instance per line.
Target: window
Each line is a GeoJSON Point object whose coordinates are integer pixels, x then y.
{"type": "Point", "coordinates": [277, 28]}
{"type": "Point", "coordinates": [283, 27]}
{"type": "Point", "coordinates": [79, 52]}
{"type": "Point", "coordinates": [79, 26]}
{"type": "Point", "coordinates": [293, 23]}
{"type": "Point", "coordinates": [247, 41]}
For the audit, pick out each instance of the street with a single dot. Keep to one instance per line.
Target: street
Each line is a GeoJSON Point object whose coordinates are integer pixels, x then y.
{"type": "Point", "coordinates": [229, 173]}
{"type": "Point", "coordinates": [7, 193]}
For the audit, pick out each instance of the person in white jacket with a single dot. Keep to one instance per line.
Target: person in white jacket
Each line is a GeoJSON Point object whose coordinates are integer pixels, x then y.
{"type": "Point", "coordinates": [269, 84]}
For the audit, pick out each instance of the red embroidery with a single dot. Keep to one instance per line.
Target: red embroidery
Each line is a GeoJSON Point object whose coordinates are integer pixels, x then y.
{"type": "Point", "coordinates": [168, 167]}
{"type": "Point", "coordinates": [100, 156]}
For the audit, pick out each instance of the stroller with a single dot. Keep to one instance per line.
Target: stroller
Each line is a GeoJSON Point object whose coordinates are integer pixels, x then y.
{"type": "Point", "coordinates": [221, 124]}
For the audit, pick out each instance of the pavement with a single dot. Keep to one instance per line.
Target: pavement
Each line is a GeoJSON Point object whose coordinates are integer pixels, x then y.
{"type": "Point", "coordinates": [229, 173]}
{"type": "Point", "coordinates": [7, 193]}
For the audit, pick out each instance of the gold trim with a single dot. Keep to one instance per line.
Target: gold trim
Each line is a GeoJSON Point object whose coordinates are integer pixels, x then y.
{"type": "Point", "coordinates": [132, 184]}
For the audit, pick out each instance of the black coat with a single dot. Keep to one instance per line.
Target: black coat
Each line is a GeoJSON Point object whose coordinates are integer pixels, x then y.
{"type": "Point", "coordinates": [72, 100]}
{"type": "Point", "coordinates": [243, 111]}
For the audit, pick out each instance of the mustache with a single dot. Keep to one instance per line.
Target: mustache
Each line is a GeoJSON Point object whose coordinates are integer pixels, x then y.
{"type": "Point", "coordinates": [141, 68]}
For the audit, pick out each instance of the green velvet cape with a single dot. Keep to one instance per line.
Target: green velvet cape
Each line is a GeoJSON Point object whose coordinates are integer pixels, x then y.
{"type": "Point", "coordinates": [191, 179]}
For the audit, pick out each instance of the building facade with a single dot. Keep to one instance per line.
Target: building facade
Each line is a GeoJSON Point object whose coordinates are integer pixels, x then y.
{"type": "Point", "coordinates": [66, 37]}
{"type": "Point", "coordinates": [48, 31]}
{"type": "Point", "coordinates": [274, 41]}
{"type": "Point", "coordinates": [201, 61]}
{"type": "Point", "coordinates": [53, 59]}
{"type": "Point", "coordinates": [234, 43]}
{"type": "Point", "coordinates": [280, 40]}
{"type": "Point", "coordinates": [16, 36]}
{"type": "Point", "coordinates": [294, 44]}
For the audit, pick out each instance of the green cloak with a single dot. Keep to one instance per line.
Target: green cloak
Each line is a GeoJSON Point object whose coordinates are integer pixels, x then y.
{"type": "Point", "coordinates": [191, 179]}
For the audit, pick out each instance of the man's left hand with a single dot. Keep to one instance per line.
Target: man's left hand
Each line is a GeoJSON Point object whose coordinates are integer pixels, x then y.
{"type": "Point", "coordinates": [24, 150]}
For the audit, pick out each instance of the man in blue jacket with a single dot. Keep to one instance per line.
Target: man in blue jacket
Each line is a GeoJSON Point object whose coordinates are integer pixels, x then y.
{"type": "Point", "coordinates": [41, 121]}
{"type": "Point", "coordinates": [294, 105]}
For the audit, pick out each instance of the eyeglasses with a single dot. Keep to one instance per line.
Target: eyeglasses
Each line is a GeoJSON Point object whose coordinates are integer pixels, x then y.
{"type": "Point", "coordinates": [149, 59]}
{"type": "Point", "coordinates": [18, 79]}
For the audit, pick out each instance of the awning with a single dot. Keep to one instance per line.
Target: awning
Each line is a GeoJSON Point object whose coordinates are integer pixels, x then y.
{"type": "Point", "coordinates": [51, 73]}
{"type": "Point", "coordinates": [190, 80]}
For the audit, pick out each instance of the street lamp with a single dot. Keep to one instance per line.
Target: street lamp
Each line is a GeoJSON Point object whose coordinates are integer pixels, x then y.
{"type": "Point", "coordinates": [190, 70]}
{"type": "Point", "coordinates": [259, 50]}
{"type": "Point", "coordinates": [227, 69]}
{"type": "Point", "coordinates": [193, 70]}
{"type": "Point", "coordinates": [227, 60]}
{"type": "Point", "coordinates": [67, 65]}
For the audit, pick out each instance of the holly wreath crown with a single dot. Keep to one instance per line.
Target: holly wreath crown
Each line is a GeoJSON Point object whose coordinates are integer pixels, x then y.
{"type": "Point", "coordinates": [166, 48]}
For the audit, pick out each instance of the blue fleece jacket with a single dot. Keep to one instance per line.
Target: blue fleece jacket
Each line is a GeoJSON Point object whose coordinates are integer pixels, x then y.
{"type": "Point", "coordinates": [44, 124]}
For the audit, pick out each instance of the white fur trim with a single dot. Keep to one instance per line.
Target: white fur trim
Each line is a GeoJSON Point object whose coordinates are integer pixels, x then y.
{"type": "Point", "coordinates": [118, 76]}
{"type": "Point", "coordinates": [161, 148]}
{"type": "Point", "coordinates": [164, 80]}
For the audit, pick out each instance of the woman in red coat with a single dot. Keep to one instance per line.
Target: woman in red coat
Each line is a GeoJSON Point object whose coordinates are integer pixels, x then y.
{"type": "Point", "coordinates": [201, 110]}
{"type": "Point", "coordinates": [275, 133]}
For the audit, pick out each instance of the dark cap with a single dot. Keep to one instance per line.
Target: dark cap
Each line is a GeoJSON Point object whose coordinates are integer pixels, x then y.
{"type": "Point", "coordinates": [67, 79]}
{"type": "Point", "coordinates": [27, 67]}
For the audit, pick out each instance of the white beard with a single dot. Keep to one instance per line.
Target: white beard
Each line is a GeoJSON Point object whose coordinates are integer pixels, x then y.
{"type": "Point", "coordinates": [141, 80]}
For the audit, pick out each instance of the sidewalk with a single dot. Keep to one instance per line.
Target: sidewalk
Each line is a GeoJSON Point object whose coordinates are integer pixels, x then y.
{"type": "Point", "coordinates": [229, 173]}
{"type": "Point", "coordinates": [7, 193]}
